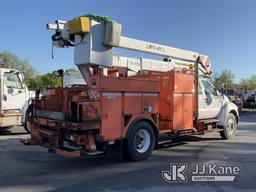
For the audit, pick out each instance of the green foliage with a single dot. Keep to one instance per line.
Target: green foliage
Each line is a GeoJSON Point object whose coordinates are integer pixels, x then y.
{"type": "Point", "coordinates": [10, 60]}
{"type": "Point", "coordinates": [249, 83]}
{"type": "Point", "coordinates": [45, 81]}
{"type": "Point", "coordinates": [71, 70]}
{"type": "Point", "coordinates": [101, 18]}
{"type": "Point", "coordinates": [50, 80]}
{"type": "Point", "coordinates": [225, 77]}
{"type": "Point", "coordinates": [34, 83]}
{"type": "Point", "coordinates": [32, 78]}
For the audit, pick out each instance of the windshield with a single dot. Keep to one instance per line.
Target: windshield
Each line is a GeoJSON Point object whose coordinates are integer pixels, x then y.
{"type": "Point", "coordinates": [208, 88]}
{"type": "Point", "coordinates": [11, 80]}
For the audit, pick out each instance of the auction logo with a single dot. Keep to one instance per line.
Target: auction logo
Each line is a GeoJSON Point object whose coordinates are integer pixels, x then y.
{"type": "Point", "coordinates": [179, 172]}
{"type": "Point", "coordinates": [176, 173]}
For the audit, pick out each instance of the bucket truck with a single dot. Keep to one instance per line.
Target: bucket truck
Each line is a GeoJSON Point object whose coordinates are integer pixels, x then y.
{"type": "Point", "coordinates": [128, 103]}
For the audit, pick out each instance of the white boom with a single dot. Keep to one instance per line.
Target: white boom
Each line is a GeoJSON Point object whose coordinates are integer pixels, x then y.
{"type": "Point", "coordinates": [157, 49]}
{"type": "Point", "coordinates": [137, 65]}
{"type": "Point", "coordinates": [94, 47]}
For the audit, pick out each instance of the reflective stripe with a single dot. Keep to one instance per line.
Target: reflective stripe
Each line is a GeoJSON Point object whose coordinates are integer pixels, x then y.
{"type": "Point", "coordinates": [130, 94]}
{"type": "Point", "coordinates": [133, 94]}
{"type": "Point", "coordinates": [209, 109]}
{"type": "Point", "coordinates": [185, 94]}
{"type": "Point", "coordinates": [111, 94]}
{"type": "Point", "coordinates": [94, 95]}
{"type": "Point", "coordinates": [150, 94]}
{"type": "Point", "coordinates": [188, 94]}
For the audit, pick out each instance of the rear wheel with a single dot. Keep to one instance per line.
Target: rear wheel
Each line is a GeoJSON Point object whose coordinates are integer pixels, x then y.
{"type": "Point", "coordinates": [140, 141]}
{"type": "Point", "coordinates": [229, 130]}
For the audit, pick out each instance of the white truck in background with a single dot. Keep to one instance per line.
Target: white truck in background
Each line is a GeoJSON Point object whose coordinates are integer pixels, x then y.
{"type": "Point", "coordinates": [14, 99]}
{"type": "Point", "coordinates": [73, 79]}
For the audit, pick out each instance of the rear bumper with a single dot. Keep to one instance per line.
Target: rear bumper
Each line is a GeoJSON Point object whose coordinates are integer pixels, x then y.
{"type": "Point", "coordinates": [64, 152]}
{"type": "Point", "coordinates": [67, 139]}
{"type": "Point", "coordinates": [52, 123]}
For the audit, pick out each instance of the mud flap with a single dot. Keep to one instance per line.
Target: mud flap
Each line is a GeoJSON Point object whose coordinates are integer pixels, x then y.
{"type": "Point", "coordinates": [65, 152]}
{"type": "Point", "coordinates": [116, 150]}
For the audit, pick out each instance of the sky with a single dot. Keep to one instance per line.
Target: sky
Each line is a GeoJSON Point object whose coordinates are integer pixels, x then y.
{"type": "Point", "coordinates": [225, 30]}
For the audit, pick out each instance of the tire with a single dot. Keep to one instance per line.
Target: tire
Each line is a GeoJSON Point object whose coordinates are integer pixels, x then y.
{"type": "Point", "coordinates": [229, 130]}
{"type": "Point", "coordinates": [2, 130]}
{"type": "Point", "coordinates": [26, 122]}
{"type": "Point", "coordinates": [140, 141]}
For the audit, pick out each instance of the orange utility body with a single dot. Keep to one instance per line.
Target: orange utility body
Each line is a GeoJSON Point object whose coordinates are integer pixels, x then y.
{"type": "Point", "coordinates": [129, 105]}
{"type": "Point", "coordinates": [108, 106]}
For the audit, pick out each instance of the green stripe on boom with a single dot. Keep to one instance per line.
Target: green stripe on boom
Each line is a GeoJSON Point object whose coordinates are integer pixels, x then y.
{"type": "Point", "coordinates": [100, 18]}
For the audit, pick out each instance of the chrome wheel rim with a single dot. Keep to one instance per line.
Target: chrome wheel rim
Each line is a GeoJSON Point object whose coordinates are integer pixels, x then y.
{"type": "Point", "coordinates": [231, 127]}
{"type": "Point", "coordinates": [142, 141]}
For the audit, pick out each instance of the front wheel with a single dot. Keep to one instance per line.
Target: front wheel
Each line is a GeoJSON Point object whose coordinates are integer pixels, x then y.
{"type": "Point", "coordinates": [229, 130]}
{"type": "Point", "coordinates": [2, 130]}
{"type": "Point", "coordinates": [140, 141]}
{"type": "Point", "coordinates": [27, 122]}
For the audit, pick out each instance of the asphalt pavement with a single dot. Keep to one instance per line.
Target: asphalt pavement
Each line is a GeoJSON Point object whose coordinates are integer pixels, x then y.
{"type": "Point", "coordinates": [32, 168]}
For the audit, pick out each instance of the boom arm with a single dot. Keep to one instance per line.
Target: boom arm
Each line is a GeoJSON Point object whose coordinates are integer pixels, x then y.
{"type": "Point", "coordinates": [114, 38]}
{"type": "Point", "coordinates": [94, 42]}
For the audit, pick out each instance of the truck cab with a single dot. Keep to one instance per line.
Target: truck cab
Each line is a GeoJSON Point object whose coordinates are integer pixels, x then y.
{"type": "Point", "coordinates": [14, 98]}
{"type": "Point", "coordinates": [215, 105]}
{"type": "Point", "coordinates": [210, 100]}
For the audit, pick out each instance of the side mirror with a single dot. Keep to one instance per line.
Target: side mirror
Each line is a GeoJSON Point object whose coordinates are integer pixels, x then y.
{"type": "Point", "coordinates": [222, 86]}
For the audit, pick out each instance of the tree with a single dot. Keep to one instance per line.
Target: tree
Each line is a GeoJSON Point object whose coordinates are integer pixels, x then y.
{"type": "Point", "coordinates": [225, 77]}
{"type": "Point", "coordinates": [49, 80]}
{"type": "Point", "coordinates": [71, 70]}
{"type": "Point", "coordinates": [10, 60]}
{"type": "Point", "coordinates": [34, 83]}
{"type": "Point", "coordinates": [45, 81]}
{"type": "Point", "coordinates": [32, 78]}
{"type": "Point", "coordinates": [249, 83]}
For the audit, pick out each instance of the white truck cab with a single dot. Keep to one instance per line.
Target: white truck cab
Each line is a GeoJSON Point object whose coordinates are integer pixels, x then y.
{"type": "Point", "coordinates": [210, 100]}
{"type": "Point", "coordinates": [214, 105]}
{"type": "Point", "coordinates": [14, 98]}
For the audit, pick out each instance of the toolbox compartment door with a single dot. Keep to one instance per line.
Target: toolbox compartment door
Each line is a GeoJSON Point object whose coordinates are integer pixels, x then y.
{"type": "Point", "coordinates": [111, 116]}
